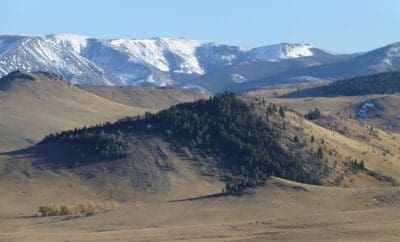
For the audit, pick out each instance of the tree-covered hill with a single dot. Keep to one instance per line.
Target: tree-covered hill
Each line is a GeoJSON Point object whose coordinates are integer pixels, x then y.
{"type": "Point", "coordinates": [381, 83]}
{"type": "Point", "coordinates": [223, 127]}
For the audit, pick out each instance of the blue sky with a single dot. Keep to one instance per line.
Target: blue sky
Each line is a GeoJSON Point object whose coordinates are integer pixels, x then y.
{"type": "Point", "coordinates": [337, 25]}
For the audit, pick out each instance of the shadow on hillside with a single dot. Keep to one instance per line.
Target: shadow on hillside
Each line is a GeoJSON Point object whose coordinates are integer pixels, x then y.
{"type": "Point", "coordinates": [215, 195]}
{"type": "Point", "coordinates": [52, 156]}
{"type": "Point", "coordinates": [17, 154]}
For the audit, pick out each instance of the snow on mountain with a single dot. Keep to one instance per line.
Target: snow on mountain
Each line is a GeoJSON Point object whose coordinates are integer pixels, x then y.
{"type": "Point", "coordinates": [155, 52]}
{"type": "Point", "coordinates": [69, 41]}
{"type": "Point", "coordinates": [391, 55]}
{"type": "Point", "coordinates": [58, 54]}
{"type": "Point", "coordinates": [281, 51]}
{"type": "Point", "coordinates": [157, 61]}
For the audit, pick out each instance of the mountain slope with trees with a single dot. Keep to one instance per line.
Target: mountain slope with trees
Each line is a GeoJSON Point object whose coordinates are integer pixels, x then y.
{"type": "Point", "coordinates": [381, 83]}
{"type": "Point", "coordinates": [245, 146]}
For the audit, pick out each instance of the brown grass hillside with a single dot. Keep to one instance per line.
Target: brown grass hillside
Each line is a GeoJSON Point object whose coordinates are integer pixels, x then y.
{"type": "Point", "coordinates": [342, 135]}
{"type": "Point", "coordinates": [31, 108]}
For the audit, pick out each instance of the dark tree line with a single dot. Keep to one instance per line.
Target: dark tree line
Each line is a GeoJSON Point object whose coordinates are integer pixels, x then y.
{"type": "Point", "coordinates": [91, 141]}
{"type": "Point", "coordinates": [381, 83]}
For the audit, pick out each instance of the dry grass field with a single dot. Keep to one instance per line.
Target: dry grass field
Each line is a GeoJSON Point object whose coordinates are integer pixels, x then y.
{"type": "Point", "coordinates": [279, 211]}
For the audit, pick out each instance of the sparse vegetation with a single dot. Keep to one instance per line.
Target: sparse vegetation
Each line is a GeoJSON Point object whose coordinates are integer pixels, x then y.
{"type": "Point", "coordinates": [358, 166]}
{"type": "Point", "coordinates": [381, 177]}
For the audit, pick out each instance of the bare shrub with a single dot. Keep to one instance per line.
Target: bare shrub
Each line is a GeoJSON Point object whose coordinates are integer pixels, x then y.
{"type": "Point", "coordinates": [89, 207]}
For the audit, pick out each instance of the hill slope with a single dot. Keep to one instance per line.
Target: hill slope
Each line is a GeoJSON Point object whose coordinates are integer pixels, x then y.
{"type": "Point", "coordinates": [222, 127]}
{"type": "Point", "coordinates": [35, 104]}
{"type": "Point", "coordinates": [343, 135]}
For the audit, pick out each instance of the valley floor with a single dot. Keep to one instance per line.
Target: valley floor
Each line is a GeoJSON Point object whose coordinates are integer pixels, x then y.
{"type": "Point", "coordinates": [279, 211]}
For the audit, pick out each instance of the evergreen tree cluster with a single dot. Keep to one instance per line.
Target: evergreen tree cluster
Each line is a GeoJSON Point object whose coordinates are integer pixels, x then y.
{"type": "Point", "coordinates": [313, 114]}
{"type": "Point", "coordinates": [226, 125]}
{"type": "Point", "coordinates": [382, 83]}
{"type": "Point", "coordinates": [91, 141]}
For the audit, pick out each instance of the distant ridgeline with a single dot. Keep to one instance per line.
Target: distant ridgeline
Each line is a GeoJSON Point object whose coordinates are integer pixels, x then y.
{"type": "Point", "coordinates": [381, 83]}
{"type": "Point", "coordinates": [222, 127]}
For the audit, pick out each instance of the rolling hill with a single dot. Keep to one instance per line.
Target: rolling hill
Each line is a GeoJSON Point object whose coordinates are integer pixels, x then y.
{"type": "Point", "coordinates": [166, 171]}
{"type": "Point", "coordinates": [35, 104]}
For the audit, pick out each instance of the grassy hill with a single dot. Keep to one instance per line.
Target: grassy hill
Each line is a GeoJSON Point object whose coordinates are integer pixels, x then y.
{"type": "Point", "coordinates": [32, 105]}
{"type": "Point", "coordinates": [223, 127]}
{"type": "Point", "coordinates": [35, 104]}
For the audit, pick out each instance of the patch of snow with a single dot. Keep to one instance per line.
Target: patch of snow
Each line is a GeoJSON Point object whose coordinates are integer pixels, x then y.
{"type": "Point", "coordinates": [394, 51]}
{"type": "Point", "coordinates": [363, 111]}
{"type": "Point", "coordinates": [186, 49]}
{"type": "Point", "coordinates": [229, 57]}
{"type": "Point", "coordinates": [73, 41]}
{"type": "Point", "coordinates": [146, 51]}
{"type": "Point", "coordinates": [296, 51]}
{"type": "Point", "coordinates": [237, 78]}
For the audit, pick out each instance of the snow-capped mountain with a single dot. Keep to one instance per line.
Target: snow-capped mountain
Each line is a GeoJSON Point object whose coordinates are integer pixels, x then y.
{"type": "Point", "coordinates": [156, 61]}
{"type": "Point", "coordinates": [58, 53]}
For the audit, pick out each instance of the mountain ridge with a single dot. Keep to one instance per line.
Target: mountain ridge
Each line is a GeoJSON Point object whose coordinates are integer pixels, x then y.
{"type": "Point", "coordinates": [185, 63]}
{"type": "Point", "coordinates": [159, 61]}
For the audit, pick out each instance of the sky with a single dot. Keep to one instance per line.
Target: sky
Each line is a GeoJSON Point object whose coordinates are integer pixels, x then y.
{"type": "Point", "coordinates": [342, 26]}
